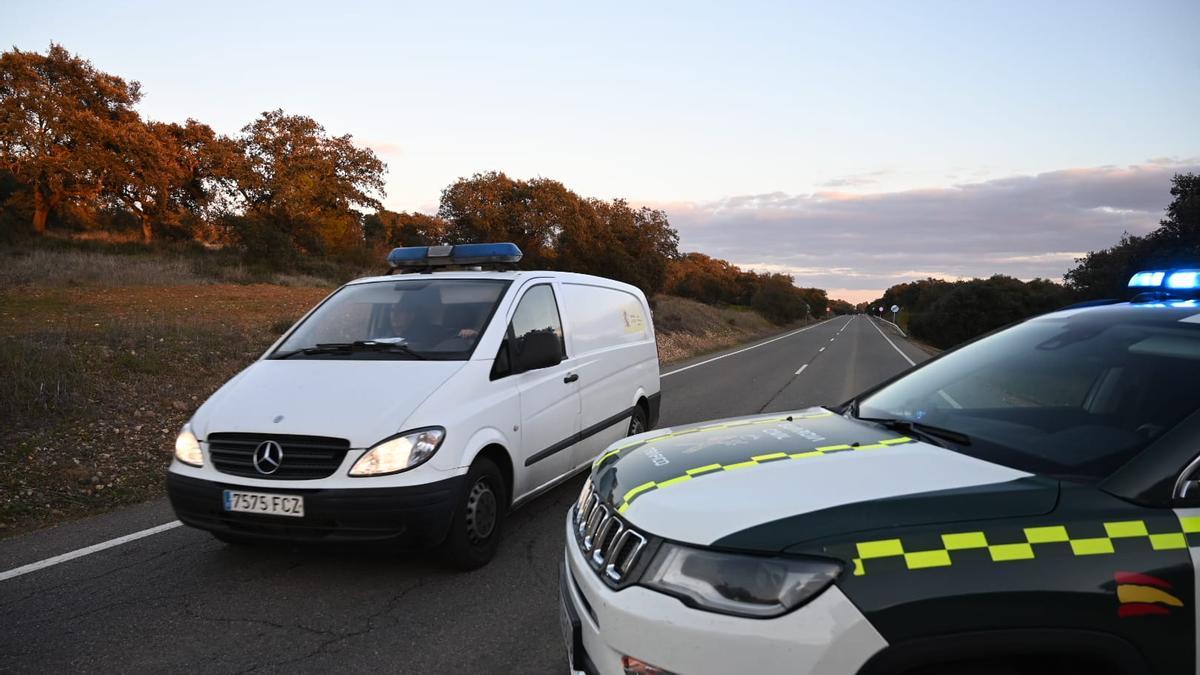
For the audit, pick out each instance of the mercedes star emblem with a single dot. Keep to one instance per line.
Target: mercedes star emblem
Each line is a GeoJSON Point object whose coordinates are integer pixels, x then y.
{"type": "Point", "coordinates": [267, 457]}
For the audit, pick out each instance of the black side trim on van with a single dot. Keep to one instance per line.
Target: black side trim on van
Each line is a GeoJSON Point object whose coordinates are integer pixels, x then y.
{"type": "Point", "coordinates": [572, 440]}
{"type": "Point", "coordinates": [655, 404]}
{"type": "Point", "coordinates": [1119, 655]}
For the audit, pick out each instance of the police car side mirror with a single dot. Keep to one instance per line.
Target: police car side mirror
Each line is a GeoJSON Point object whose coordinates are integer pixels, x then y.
{"type": "Point", "coordinates": [537, 349]}
{"type": "Point", "coordinates": [1187, 486]}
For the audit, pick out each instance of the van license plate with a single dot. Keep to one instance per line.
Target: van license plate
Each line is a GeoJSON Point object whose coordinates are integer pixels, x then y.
{"type": "Point", "coordinates": [270, 504]}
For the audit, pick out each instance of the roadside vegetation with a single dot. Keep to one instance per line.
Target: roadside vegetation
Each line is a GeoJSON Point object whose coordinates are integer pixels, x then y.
{"type": "Point", "coordinates": [687, 328]}
{"type": "Point", "coordinates": [104, 357]}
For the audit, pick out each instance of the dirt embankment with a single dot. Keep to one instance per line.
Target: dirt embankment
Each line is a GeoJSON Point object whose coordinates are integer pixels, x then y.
{"type": "Point", "coordinates": [687, 328]}
{"type": "Point", "coordinates": [103, 359]}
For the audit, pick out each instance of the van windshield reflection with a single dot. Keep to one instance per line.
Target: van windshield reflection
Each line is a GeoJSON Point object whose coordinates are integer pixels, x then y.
{"type": "Point", "coordinates": [402, 319]}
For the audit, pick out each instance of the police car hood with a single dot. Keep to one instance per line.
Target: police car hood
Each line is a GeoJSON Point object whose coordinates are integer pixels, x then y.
{"type": "Point", "coordinates": [768, 482]}
{"type": "Point", "coordinates": [362, 401]}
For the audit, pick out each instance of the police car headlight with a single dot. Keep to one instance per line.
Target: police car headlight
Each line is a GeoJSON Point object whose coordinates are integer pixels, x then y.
{"type": "Point", "coordinates": [399, 453]}
{"type": "Point", "coordinates": [187, 447]}
{"type": "Point", "coordinates": [742, 585]}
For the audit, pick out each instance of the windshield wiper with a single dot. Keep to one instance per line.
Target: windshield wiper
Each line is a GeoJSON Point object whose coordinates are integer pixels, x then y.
{"type": "Point", "coordinates": [929, 432]}
{"type": "Point", "coordinates": [356, 346]}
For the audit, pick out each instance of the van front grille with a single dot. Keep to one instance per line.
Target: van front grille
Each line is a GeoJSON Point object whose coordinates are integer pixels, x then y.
{"type": "Point", "coordinates": [300, 457]}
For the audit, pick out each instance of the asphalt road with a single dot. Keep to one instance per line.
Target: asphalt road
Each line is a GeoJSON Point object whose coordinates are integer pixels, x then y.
{"type": "Point", "coordinates": [178, 600]}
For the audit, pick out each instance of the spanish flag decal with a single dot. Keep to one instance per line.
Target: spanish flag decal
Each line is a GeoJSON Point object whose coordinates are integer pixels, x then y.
{"type": "Point", "coordinates": [1142, 594]}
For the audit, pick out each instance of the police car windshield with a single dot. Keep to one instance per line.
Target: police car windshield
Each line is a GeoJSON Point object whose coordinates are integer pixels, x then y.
{"type": "Point", "coordinates": [1073, 395]}
{"type": "Point", "coordinates": [431, 319]}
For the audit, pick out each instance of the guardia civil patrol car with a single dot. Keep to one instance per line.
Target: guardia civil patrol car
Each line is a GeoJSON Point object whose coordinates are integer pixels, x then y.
{"type": "Point", "coordinates": [1028, 503]}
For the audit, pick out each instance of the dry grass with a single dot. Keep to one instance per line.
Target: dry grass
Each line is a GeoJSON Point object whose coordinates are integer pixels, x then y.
{"type": "Point", "coordinates": [47, 267]}
{"type": "Point", "coordinates": [98, 380]}
{"type": "Point", "coordinates": [687, 328]}
{"type": "Point", "coordinates": [53, 267]}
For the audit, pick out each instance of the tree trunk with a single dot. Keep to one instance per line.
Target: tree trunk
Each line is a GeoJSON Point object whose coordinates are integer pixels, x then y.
{"type": "Point", "coordinates": [147, 229]}
{"type": "Point", "coordinates": [41, 210]}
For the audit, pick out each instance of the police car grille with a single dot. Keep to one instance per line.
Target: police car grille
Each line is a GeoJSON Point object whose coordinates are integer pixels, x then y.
{"type": "Point", "coordinates": [609, 544]}
{"type": "Point", "coordinates": [304, 457]}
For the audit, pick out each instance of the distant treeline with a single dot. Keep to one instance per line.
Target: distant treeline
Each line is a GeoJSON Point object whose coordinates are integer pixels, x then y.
{"type": "Point", "coordinates": [75, 155]}
{"type": "Point", "coordinates": [945, 313]}
{"type": "Point", "coordinates": [558, 229]}
{"type": "Point", "coordinates": [715, 281]}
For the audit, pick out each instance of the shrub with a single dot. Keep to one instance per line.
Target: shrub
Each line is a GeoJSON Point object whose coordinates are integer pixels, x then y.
{"type": "Point", "coordinates": [779, 300]}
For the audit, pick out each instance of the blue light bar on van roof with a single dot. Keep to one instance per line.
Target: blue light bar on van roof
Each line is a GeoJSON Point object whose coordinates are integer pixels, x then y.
{"type": "Point", "coordinates": [460, 254]}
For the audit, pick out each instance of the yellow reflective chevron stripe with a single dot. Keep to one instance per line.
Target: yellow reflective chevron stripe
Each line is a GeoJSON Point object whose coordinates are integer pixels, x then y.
{"type": "Point", "coordinates": [616, 452]}
{"type": "Point", "coordinates": [756, 460]}
{"type": "Point", "coordinates": [1035, 539]}
{"type": "Point", "coordinates": [1168, 541]}
{"type": "Point", "coordinates": [1191, 524]}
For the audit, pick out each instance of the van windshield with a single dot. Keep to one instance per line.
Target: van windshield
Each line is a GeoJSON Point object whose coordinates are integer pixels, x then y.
{"type": "Point", "coordinates": [418, 318]}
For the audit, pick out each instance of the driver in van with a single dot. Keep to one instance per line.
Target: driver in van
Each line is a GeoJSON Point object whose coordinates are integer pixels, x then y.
{"type": "Point", "coordinates": [408, 323]}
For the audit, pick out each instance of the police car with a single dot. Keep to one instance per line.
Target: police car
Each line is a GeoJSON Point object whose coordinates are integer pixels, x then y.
{"type": "Point", "coordinates": [1027, 503]}
{"type": "Point", "coordinates": [419, 408]}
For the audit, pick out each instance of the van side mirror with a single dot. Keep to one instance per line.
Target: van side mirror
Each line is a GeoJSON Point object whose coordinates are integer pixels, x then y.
{"type": "Point", "coordinates": [534, 350]}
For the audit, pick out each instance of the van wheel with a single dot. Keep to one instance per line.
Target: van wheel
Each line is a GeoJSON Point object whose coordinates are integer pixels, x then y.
{"type": "Point", "coordinates": [637, 421]}
{"type": "Point", "coordinates": [479, 518]}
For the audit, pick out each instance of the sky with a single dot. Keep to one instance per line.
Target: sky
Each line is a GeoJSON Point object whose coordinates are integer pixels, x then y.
{"type": "Point", "coordinates": [852, 144]}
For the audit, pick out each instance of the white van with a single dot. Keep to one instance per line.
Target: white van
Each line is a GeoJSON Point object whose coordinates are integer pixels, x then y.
{"type": "Point", "coordinates": [421, 407]}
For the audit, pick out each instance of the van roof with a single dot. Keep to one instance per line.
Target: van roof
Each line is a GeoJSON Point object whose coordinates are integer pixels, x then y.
{"type": "Point", "coordinates": [511, 275]}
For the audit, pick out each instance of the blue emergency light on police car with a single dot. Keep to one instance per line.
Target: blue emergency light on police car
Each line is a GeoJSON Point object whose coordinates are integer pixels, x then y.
{"type": "Point", "coordinates": [425, 257]}
{"type": "Point", "coordinates": [1178, 280]}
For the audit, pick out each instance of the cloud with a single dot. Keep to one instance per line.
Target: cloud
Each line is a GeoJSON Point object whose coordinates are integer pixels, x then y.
{"type": "Point", "coordinates": [857, 180]}
{"type": "Point", "coordinates": [1023, 226]}
{"type": "Point", "coordinates": [384, 148]}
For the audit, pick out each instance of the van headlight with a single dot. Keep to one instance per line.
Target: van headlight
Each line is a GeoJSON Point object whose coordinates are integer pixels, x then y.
{"type": "Point", "coordinates": [187, 447]}
{"type": "Point", "coordinates": [399, 453]}
{"type": "Point", "coordinates": [742, 585]}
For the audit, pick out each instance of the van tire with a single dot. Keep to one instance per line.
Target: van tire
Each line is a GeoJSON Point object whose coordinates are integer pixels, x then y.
{"type": "Point", "coordinates": [478, 519]}
{"type": "Point", "coordinates": [637, 421]}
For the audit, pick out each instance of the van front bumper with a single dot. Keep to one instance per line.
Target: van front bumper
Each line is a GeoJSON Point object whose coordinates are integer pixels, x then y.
{"type": "Point", "coordinates": [827, 636]}
{"type": "Point", "coordinates": [417, 515]}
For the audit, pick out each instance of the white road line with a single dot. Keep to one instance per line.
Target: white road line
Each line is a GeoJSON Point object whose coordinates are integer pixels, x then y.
{"type": "Point", "coordinates": [723, 356]}
{"type": "Point", "coordinates": [801, 369]}
{"type": "Point", "coordinates": [893, 344]}
{"type": "Point", "coordinates": [50, 562]}
{"type": "Point", "coordinates": [821, 349]}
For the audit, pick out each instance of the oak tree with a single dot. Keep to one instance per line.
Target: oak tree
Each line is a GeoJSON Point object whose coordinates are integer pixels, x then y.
{"type": "Point", "coordinates": [60, 119]}
{"type": "Point", "coordinates": [294, 177]}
